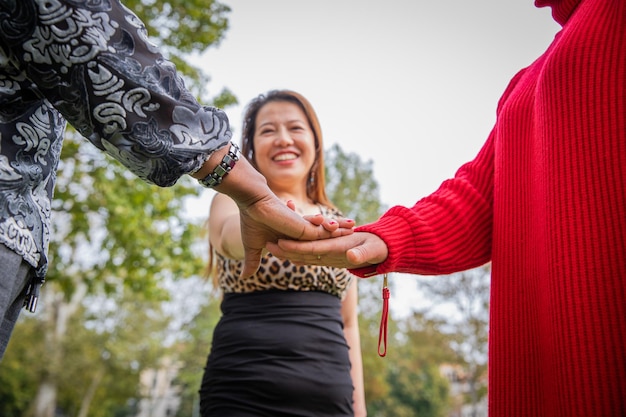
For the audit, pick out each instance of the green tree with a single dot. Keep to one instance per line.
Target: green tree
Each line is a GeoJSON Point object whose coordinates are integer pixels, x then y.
{"type": "Point", "coordinates": [352, 186]}
{"type": "Point", "coordinates": [408, 380]}
{"type": "Point", "coordinates": [115, 344]}
{"type": "Point", "coordinates": [467, 293]}
{"type": "Point", "coordinates": [183, 28]}
{"type": "Point", "coordinates": [193, 351]}
{"type": "Point", "coordinates": [106, 350]}
{"type": "Point", "coordinates": [18, 373]}
{"type": "Point", "coordinates": [415, 386]}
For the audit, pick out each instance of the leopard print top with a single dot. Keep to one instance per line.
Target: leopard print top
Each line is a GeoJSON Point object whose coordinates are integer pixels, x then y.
{"type": "Point", "coordinates": [275, 273]}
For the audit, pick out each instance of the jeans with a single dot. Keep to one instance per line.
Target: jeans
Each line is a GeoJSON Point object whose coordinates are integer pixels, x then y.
{"type": "Point", "coordinates": [14, 276]}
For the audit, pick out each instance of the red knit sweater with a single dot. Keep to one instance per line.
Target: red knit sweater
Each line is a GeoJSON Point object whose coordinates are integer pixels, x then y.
{"type": "Point", "coordinates": [545, 201]}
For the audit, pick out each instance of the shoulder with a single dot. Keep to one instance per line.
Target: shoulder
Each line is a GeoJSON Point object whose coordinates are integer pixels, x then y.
{"type": "Point", "coordinates": [222, 207]}
{"type": "Point", "coordinates": [221, 202]}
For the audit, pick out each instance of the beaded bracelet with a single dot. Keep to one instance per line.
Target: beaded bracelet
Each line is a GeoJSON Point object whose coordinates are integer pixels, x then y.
{"type": "Point", "coordinates": [216, 177]}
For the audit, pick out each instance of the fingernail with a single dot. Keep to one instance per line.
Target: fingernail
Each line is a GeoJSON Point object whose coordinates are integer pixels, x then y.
{"type": "Point", "coordinates": [333, 222]}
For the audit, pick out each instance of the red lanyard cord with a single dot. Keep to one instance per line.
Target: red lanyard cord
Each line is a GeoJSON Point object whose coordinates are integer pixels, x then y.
{"type": "Point", "coordinates": [382, 334]}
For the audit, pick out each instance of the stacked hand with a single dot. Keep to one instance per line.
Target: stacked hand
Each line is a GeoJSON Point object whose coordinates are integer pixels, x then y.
{"type": "Point", "coordinates": [265, 218]}
{"type": "Point", "coordinates": [269, 219]}
{"type": "Point", "coordinates": [344, 250]}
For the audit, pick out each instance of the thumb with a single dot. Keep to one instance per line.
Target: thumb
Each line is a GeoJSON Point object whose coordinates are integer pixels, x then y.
{"type": "Point", "coordinates": [365, 254]}
{"type": "Point", "coordinates": [251, 262]}
{"type": "Point", "coordinates": [357, 255]}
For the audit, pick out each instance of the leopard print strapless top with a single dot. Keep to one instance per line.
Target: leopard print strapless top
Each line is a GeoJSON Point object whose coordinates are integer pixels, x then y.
{"type": "Point", "coordinates": [278, 274]}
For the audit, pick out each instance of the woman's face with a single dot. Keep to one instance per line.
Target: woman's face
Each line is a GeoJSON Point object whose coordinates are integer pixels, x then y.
{"type": "Point", "coordinates": [284, 145]}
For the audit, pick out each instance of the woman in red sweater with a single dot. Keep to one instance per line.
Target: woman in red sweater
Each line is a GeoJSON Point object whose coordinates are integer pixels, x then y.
{"type": "Point", "coordinates": [545, 202]}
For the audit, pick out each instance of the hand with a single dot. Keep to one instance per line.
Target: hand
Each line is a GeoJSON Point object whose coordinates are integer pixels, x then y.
{"type": "Point", "coordinates": [355, 250]}
{"type": "Point", "coordinates": [264, 218]}
{"type": "Point", "coordinates": [327, 223]}
{"type": "Point", "coordinates": [269, 219]}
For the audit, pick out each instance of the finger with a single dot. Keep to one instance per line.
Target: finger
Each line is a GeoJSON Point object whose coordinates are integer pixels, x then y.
{"type": "Point", "coordinates": [356, 256]}
{"type": "Point", "coordinates": [346, 223]}
{"type": "Point", "coordinates": [291, 205]}
{"type": "Point", "coordinates": [330, 225]}
{"type": "Point", "coordinates": [341, 232]}
{"type": "Point", "coordinates": [329, 228]}
{"type": "Point", "coordinates": [295, 247]}
{"type": "Point", "coordinates": [315, 219]}
{"type": "Point", "coordinates": [252, 260]}
{"type": "Point", "coordinates": [366, 253]}
{"type": "Point", "coordinates": [275, 250]}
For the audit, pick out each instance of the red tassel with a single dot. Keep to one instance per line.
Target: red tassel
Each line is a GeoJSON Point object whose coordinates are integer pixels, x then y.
{"type": "Point", "coordinates": [382, 334]}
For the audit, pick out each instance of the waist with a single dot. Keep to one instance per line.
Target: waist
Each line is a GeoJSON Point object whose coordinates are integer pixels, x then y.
{"type": "Point", "coordinates": [279, 324]}
{"type": "Point", "coordinates": [279, 300]}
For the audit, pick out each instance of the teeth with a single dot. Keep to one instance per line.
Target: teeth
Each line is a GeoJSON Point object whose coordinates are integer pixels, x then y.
{"type": "Point", "coordinates": [285, 157]}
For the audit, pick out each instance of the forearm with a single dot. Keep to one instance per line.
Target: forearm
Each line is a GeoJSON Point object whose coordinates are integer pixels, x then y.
{"type": "Point", "coordinates": [244, 184]}
{"type": "Point", "coordinates": [114, 87]}
{"type": "Point", "coordinates": [448, 231]}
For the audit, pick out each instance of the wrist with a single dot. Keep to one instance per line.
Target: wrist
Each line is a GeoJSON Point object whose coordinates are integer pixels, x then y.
{"type": "Point", "coordinates": [221, 170]}
{"type": "Point", "coordinates": [244, 184]}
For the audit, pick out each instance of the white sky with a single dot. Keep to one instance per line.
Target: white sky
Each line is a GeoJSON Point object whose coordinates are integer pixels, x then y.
{"type": "Point", "coordinates": [410, 84]}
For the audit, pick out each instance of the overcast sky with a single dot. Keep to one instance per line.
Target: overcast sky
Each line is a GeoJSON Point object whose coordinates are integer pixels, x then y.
{"type": "Point", "coordinates": [410, 84]}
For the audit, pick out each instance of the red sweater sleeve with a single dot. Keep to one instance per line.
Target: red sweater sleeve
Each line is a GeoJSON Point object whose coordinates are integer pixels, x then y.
{"type": "Point", "coordinates": [423, 240]}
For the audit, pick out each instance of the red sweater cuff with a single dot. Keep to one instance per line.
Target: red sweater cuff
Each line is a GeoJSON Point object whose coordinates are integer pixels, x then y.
{"type": "Point", "coordinates": [366, 272]}
{"type": "Point", "coordinates": [395, 230]}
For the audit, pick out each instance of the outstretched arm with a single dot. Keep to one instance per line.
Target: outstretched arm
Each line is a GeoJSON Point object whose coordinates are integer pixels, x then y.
{"type": "Point", "coordinates": [356, 250]}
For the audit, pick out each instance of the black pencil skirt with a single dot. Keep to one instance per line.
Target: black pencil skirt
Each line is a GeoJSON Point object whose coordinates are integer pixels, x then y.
{"type": "Point", "coordinates": [278, 354]}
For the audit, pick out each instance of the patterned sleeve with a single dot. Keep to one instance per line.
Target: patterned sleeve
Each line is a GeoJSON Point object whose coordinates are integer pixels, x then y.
{"type": "Point", "coordinates": [92, 61]}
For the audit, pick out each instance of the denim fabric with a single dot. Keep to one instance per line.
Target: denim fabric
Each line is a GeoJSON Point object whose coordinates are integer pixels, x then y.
{"type": "Point", "coordinates": [14, 275]}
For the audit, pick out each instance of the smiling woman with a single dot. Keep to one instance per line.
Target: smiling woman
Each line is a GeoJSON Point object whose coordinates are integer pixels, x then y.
{"type": "Point", "coordinates": [288, 341]}
{"type": "Point", "coordinates": [282, 139]}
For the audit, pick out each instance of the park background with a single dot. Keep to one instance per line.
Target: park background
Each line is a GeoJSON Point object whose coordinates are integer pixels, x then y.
{"type": "Point", "coordinates": [405, 92]}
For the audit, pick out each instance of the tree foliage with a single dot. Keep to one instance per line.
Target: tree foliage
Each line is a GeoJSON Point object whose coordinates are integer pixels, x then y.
{"type": "Point", "coordinates": [408, 381]}
{"type": "Point", "coordinates": [352, 186]}
{"type": "Point", "coordinates": [193, 351]}
{"type": "Point", "coordinates": [19, 368]}
{"type": "Point", "coordinates": [100, 364]}
{"type": "Point", "coordinates": [116, 238]}
{"type": "Point", "coordinates": [467, 293]}
{"type": "Point", "coordinates": [183, 28]}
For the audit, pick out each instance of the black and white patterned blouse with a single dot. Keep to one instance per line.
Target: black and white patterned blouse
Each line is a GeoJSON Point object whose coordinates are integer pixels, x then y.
{"type": "Point", "coordinates": [88, 63]}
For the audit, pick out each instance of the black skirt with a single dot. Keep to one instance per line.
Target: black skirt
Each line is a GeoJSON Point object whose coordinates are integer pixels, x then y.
{"type": "Point", "coordinates": [278, 354]}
